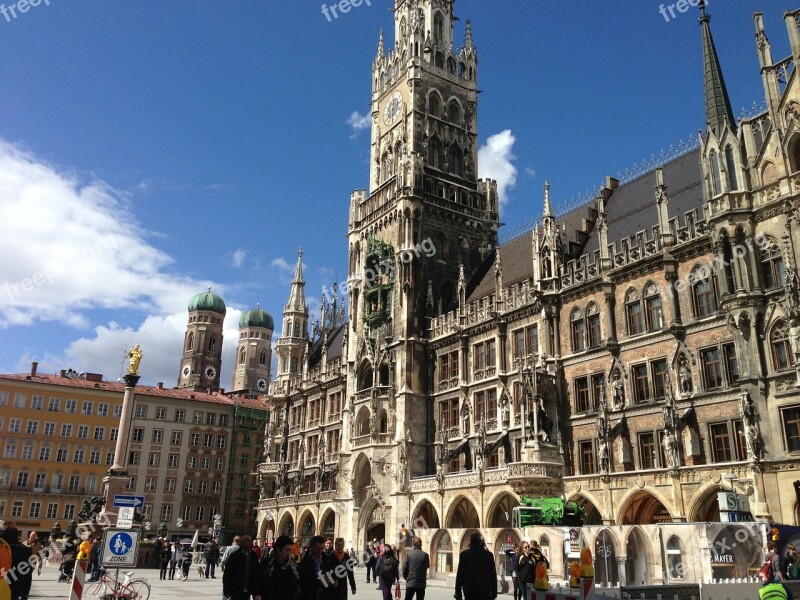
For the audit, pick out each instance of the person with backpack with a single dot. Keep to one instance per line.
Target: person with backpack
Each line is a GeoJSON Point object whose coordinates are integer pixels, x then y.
{"type": "Point", "coordinates": [771, 569]}
{"type": "Point", "coordinates": [388, 571]}
{"type": "Point", "coordinates": [789, 567]}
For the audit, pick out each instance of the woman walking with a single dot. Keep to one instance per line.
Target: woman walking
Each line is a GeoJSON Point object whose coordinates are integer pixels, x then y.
{"type": "Point", "coordinates": [164, 560]}
{"type": "Point", "coordinates": [174, 554]}
{"type": "Point", "coordinates": [187, 563]}
{"type": "Point", "coordinates": [388, 572]}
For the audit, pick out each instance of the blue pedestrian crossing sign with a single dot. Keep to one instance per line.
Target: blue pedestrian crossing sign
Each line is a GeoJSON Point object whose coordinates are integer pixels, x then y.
{"type": "Point", "coordinates": [120, 548]}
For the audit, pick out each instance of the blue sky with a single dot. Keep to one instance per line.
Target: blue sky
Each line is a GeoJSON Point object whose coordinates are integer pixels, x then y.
{"type": "Point", "coordinates": [149, 149]}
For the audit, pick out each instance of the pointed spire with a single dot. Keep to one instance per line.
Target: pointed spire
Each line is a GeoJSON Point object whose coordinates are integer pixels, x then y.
{"type": "Point", "coordinates": [297, 298]}
{"type": "Point", "coordinates": [381, 48]}
{"type": "Point", "coordinates": [468, 43]}
{"type": "Point", "coordinates": [548, 208]}
{"type": "Point", "coordinates": [718, 105]}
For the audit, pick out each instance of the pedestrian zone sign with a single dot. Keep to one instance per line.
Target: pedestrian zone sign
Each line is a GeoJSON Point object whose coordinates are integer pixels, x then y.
{"type": "Point", "coordinates": [120, 547]}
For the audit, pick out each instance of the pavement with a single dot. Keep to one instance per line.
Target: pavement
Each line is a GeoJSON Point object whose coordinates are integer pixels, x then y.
{"type": "Point", "coordinates": [47, 586]}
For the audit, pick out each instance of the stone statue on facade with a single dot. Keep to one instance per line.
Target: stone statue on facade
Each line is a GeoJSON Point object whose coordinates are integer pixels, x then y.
{"type": "Point", "coordinates": [685, 377]}
{"type": "Point", "coordinates": [603, 454]}
{"type": "Point", "coordinates": [545, 425]}
{"type": "Point", "coordinates": [505, 412]}
{"type": "Point", "coordinates": [618, 390]}
{"type": "Point", "coordinates": [749, 414]}
{"type": "Point", "coordinates": [465, 425]}
{"type": "Point", "coordinates": [670, 444]}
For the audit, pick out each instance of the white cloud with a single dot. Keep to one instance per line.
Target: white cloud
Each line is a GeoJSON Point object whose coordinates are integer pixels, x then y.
{"type": "Point", "coordinates": [281, 264]}
{"type": "Point", "coordinates": [238, 257]}
{"type": "Point", "coordinates": [495, 162]}
{"type": "Point", "coordinates": [359, 122]}
{"type": "Point", "coordinates": [70, 247]}
{"type": "Point", "coordinates": [530, 172]}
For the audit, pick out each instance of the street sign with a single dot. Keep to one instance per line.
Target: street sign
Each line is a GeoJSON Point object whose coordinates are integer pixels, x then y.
{"type": "Point", "coordinates": [125, 517]}
{"type": "Point", "coordinates": [134, 501]}
{"type": "Point", "coordinates": [120, 548]}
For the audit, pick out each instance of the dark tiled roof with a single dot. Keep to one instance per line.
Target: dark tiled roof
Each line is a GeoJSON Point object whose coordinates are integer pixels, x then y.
{"type": "Point", "coordinates": [335, 341]}
{"type": "Point", "coordinates": [631, 208]}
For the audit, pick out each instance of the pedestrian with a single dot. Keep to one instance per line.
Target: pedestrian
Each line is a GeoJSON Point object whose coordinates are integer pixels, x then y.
{"type": "Point", "coordinates": [166, 554]}
{"type": "Point", "coordinates": [257, 547]}
{"type": "Point", "coordinates": [186, 562]}
{"type": "Point", "coordinates": [94, 560]}
{"type": "Point", "coordinates": [415, 570]}
{"type": "Point", "coordinates": [36, 549]}
{"type": "Point", "coordinates": [337, 570]}
{"type": "Point", "coordinates": [296, 555]}
{"type": "Point", "coordinates": [228, 551]}
{"type": "Point", "coordinates": [20, 554]}
{"type": "Point", "coordinates": [513, 554]}
{"type": "Point", "coordinates": [525, 571]}
{"type": "Point", "coordinates": [371, 562]}
{"type": "Point", "coordinates": [281, 580]}
{"type": "Point", "coordinates": [388, 572]}
{"type": "Point", "coordinates": [211, 554]}
{"type": "Point", "coordinates": [157, 547]}
{"type": "Point", "coordinates": [328, 547]}
{"type": "Point", "coordinates": [242, 578]}
{"type": "Point", "coordinates": [789, 567]}
{"type": "Point", "coordinates": [476, 578]}
{"type": "Point", "coordinates": [174, 555]}
{"type": "Point", "coordinates": [310, 569]}
{"type": "Point", "coordinates": [771, 569]}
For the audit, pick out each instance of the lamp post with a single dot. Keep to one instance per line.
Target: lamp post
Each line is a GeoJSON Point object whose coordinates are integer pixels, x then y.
{"type": "Point", "coordinates": [162, 530]}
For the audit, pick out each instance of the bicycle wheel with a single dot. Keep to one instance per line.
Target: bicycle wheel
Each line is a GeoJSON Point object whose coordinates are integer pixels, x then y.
{"type": "Point", "coordinates": [100, 589]}
{"type": "Point", "coordinates": [140, 589]}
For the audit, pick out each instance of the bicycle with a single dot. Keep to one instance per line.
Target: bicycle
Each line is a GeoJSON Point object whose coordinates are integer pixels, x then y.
{"type": "Point", "coordinates": [109, 588]}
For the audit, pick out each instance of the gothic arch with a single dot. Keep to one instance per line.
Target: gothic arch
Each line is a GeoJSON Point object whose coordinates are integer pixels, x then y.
{"type": "Point", "coordinates": [793, 150]}
{"type": "Point", "coordinates": [286, 526]}
{"type": "Point", "coordinates": [425, 515]}
{"type": "Point", "coordinates": [639, 506]}
{"type": "Point", "coordinates": [307, 524]}
{"type": "Point", "coordinates": [327, 523]}
{"type": "Point", "coordinates": [435, 103]}
{"type": "Point", "coordinates": [703, 504]}
{"type": "Point", "coordinates": [462, 514]}
{"type": "Point", "coordinates": [362, 422]}
{"type": "Point", "coordinates": [589, 504]}
{"type": "Point", "coordinates": [365, 375]}
{"type": "Point", "coordinates": [606, 548]}
{"type": "Point", "coordinates": [501, 505]}
{"type": "Point", "coordinates": [639, 557]}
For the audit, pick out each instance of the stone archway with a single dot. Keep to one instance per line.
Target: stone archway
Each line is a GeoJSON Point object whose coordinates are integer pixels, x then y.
{"type": "Point", "coordinates": [425, 517]}
{"type": "Point", "coordinates": [643, 508]}
{"type": "Point", "coordinates": [463, 515]}
{"type": "Point", "coordinates": [705, 507]}
{"type": "Point", "coordinates": [636, 565]}
{"type": "Point", "coordinates": [307, 527]}
{"type": "Point", "coordinates": [605, 559]}
{"type": "Point", "coordinates": [499, 514]}
{"type": "Point", "coordinates": [591, 514]}
{"type": "Point", "coordinates": [327, 524]}
{"type": "Point", "coordinates": [442, 552]}
{"type": "Point", "coordinates": [286, 526]}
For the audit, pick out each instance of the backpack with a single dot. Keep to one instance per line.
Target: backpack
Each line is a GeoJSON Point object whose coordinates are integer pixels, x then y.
{"type": "Point", "coordinates": [793, 571]}
{"type": "Point", "coordinates": [767, 571]}
{"type": "Point", "coordinates": [387, 570]}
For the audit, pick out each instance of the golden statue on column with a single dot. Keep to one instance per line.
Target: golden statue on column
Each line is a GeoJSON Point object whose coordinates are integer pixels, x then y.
{"type": "Point", "coordinates": [135, 356]}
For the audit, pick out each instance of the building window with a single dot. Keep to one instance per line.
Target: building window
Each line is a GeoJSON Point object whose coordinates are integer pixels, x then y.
{"type": "Point", "coordinates": [34, 510]}
{"type": "Point", "coordinates": [641, 385]}
{"type": "Point", "coordinates": [150, 484]}
{"type": "Point", "coordinates": [195, 439]}
{"type": "Point", "coordinates": [87, 408]}
{"type": "Point", "coordinates": [78, 456]}
{"type": "Point", "coordinates": [582, 403]}
{"type": "Point", "coordinates": [223, 420]}
{"type": "Point", "coordinates": [188, 486]}
{"type": "Point", "coordinates": [186, 512]}
{"type": "Point", "coordinates": [113, 434]}
{"type": "Point", "coordinates": [716, 179]}
{"type": "Point", "coordinates": [782, 357]}
{"type": "Point", "coordinates": [19, 400]}
{"type": "Point", "coordinates": [44, 453]}
{"type": "Point", "coordinates": [138, 435]}
{"type": "Point", "coordinates": [36, 402]}
{"type": "Point", "coordinates": [180, 415]}
{"type": "Point", "coordinates": [99, 433]}
{"type": "Point", "coordinates": [221, 441]}
{"type": "Point", "coordinates": [22, 479]}
{"type": "Point", "coordinates": [173, 460]}
{"type": "Point", "coordinates": [586, 454]}
{"type": "Point", "coordinates": [27, 451]}
{"type": "Point", "coordinates": [791, 428]}
{"type": "Point", "coordinates": [593, 335]}
{"type": "Point", "coordinates": [720, 441]}
{"type": "Point", "coordinates": [52, 511]}
{"type": "Point", "coordinates": [705, 297]}
{"type": "Point", "coordinates": [83, 432]}
{"type": "Point", "coordinates": [49, 429]}
{"type": "Point", "coordinates": [712, 368]}
{"type": "Point", "coordinates": [102, 409]}
{"type": "Point", "coordinates": [197, 417]}
{"type": "Point", "coordinates": [772, 267]}
{"type": "Point", "coordinates": [32, 428]}
{"type": "Point", "coordinates": [219, 464]}
{"type": "Point", "coordinates": [633, 309]}
{"type": "Point", "coordinates": [169, 485]}
{"type": "Point", "coordinates": [730, 165]}
{"type": "Point", "coordinates": [647, 451]}
{"type": "Point", "coordinates": [53, 404]}
{"type": "Point", "coordinates": [70, 406]}
{"type": "Point", "coordinates": [659, 370]}
{"type": "Point", "coordinates": [61, 455]}
{"type": "Point", "coordinates": [69, 511]}
{"type": "Point", "coordinates": [211, 418]}
{"type": "Point", "coordinates": [731, 364]}
{"type": "Point", "coordinates": [15, 425]}
{"type": "Point", "coordinates": [480, 357]}
{"type": "Point", "coordinates": [166, 512]}
{"type": "Point", "coordinates": [157, 437]}
{"type": "Point", "coordinates": [578, 330]}
{"type": "Point", "coordinates": [653, 308]}
{"type": "Point", "coordinates": [161, 413]}
{"type": "Point", "coordinates": [141, 412]}
{"type": "Point", "coordinates": [154, 459]}
{"type": "Point", "coordinates": [94, 457]}
{"type": "Point", "coordinates": [215, 487]}
{"type": "Point", "coordinates": [191, 462]}
{"type": "Point", "coordinates": [118, 410]}
{"type": "Point", "coordinates": [208, 440]}
{"type": "Point", "coordinates": [16, 509]}
{"type": "Point", "coordinates": [133, 458]}
{"type": "Point", "coordinates": [176, 438]}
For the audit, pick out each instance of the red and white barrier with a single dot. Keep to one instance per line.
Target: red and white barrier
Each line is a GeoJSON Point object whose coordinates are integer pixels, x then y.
{"type": "Point", "coordinates": [78, 579]}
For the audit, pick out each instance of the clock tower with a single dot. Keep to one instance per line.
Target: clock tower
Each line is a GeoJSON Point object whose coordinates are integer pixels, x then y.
{"type": "Point", "coordinates": [202, 345]}
{"type": "Point", "coordinates": [424, 218]}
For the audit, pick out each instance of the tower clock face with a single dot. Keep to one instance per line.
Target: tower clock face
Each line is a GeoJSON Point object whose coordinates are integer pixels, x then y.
{"type": "Point", "coordinates": [186, 371]}
{"type": "Point", "coordinates": [261, 384]}
{"type": "Point", "coordinates": [210, 372]}
{"type": "Point", "coordinates": [393, 108]}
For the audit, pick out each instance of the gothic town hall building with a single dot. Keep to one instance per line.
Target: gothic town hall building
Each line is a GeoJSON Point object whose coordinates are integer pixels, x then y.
{"type": "Point", "coordinates": [637, 355]}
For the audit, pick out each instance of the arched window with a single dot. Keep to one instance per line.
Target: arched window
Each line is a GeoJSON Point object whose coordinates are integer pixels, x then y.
{"type": "Point", "coordinates": [262, 359]}
{"type": "Point", "coordinates": [578, 328]}
{"type": "Point", "coordinates": [730, 165]}
{"type": "Point", "coordinates": [293, 368]}
{"type": "Point", "coordinates": [190, 342]}
{"type": "Point", "coordinates": [434, 105]}
{"type": "Point", "coordinates": [435, 154]}
{"type": "Point", "coordinates": [704, 294]}
{"type": "Point", "coordinates": [772, 271]}
{"type": "Point", "coordinates": [633, 310]}
{"type": "Point", "coordinates": [438, 28]}
{"type": "Point", "coordinates": [439, 60]}
{"type": "Point", "coordinates": [296, 332]}
{"type": "Point", "coordinates": [212, 345]}
{"type": "Point", "coordinates": [653, 309]}
{"type": "Point", "coordinates": [675, 559]}
{"type": "Point", "coordinates": [794, 153]}
{"type": "Point", "coordinates": [242, 356]}
{"type": "Point", "coordinates": [384, 422]}
{"type": "Point", "coordinates": [454, 112]}
{"type": "Point", "coordinates": [455, 161]}
{"type": "Point", "coordinates": [727, 255]}
{"type": "Point", "coordinates": [451, 65]}
{"type": "Point", "coordinates": [769, 173]}
{"type": "Point", "coordinates": [716, 183]}
{"type": "Point", "coordinates": [782, 357]}
{"type": "Point", "coordinates": [593, 334]}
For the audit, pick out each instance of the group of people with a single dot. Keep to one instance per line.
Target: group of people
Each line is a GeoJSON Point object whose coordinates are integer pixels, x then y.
{"type": "Point", "coordinates": [776, 570]}
{"type": "Point", "coordinates": [321, 571]}
{"type": "Point", "coordinates": [524, 558]}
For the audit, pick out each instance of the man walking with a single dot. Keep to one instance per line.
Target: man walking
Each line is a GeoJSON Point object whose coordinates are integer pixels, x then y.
{"type": "Point", "coordinates": [281, 580]}
{"type": "Point", "coordinates": [19, 580]}
{"type": "Point", "coordinates": [211, 554]}
{"type": "Point", "coordinates": [476, 578]}
{"type": "Point", "coordinates": [310, 569]}
{"type": "Point", "coordinates": [242, 578]}
{"type": "Point", "coordinates": [415, 570]}
{"type": "Point", "coordinates": [228, 551]}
